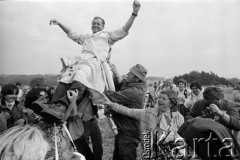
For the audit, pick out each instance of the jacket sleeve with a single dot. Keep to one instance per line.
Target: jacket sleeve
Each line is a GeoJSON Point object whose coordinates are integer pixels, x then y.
{"type": "Point", "coordinates": [234, 117]}
{"type": "Point", "coordinates": [134, 113]}
{"type": "Point", "coordinates": [3, 122]}
{"type": "Point", "coordinates": [126, 96]}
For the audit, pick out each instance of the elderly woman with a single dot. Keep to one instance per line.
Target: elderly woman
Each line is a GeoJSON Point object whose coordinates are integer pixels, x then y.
{"type": "Point", "coordinates": [11, 111]}
{"type": "Point", "coordinates": [23, 143]}
{"type": "Point", "coordinates": [159, 119]}
{"type": "Point", "coordinates": [226, 123]}
{"type": "Point", "coordinates": [50, 120]}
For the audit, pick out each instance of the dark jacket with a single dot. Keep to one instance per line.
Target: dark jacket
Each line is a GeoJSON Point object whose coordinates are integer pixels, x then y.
{"type": "Point", "coordinates": [209, 139]}
{"type": "Point", "coordinates": [15, 114]}
{"type": "Point", "coordinates": [200, 106]}
{"type": "Point", "coordinates": [130, 95]}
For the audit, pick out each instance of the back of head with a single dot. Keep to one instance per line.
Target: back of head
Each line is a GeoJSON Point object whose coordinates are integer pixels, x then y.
{"type": "Point", "coordinates": [23, 143]}
{"type": "Point", "coordinates": [213, 93]}
{"type": "Point", "coordinates": [18, 84]}
{"type": "Point", "coordinates": [140, 71]}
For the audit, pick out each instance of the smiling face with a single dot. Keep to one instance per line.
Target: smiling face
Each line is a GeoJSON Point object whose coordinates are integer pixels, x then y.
{"type": "Point", "coordinates": [97, 25]}
{"type": "Point", "coordinates": [195, 90]}
{"type": "Point", "coordinates": [181, 86]}
{"type": "Point", "coordinates": [10, 98]}
{"type": "Point", "coordinates": [163, 103]}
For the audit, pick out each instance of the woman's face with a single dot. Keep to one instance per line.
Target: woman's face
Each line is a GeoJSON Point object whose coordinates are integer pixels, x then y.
{"type": "Point", "coordinates": [10, 98]}
{"type": "Point", "coordinates": [196, 90]}
{"type": "Point", "coordinates": [181, 85]}
{"type": "Point", "coordinates": [163, 103]}
{"type": "Point", "coordinates": [43, 97]}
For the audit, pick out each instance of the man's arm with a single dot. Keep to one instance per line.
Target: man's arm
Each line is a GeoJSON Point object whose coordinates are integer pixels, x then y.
{"type": "Point", "coordinates": [65, 28]}
{"type": "Point", "coordinates": [123, 97]}
{"type": "Point", "coordinates": [136, 7]}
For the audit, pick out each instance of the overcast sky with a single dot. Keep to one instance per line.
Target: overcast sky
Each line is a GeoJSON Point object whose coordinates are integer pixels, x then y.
{"type": "Point", "coordinates": [169, 37]}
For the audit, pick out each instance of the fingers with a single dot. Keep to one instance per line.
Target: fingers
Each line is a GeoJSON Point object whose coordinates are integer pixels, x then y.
{"type": "Point", "coordinates": [53, 21]}
{"type": "Point", "coordinates": [72, 94]}
{"type": "Point", "coordinates": [68, 94]}
{"type": "Point", "coordinates": [136, 3]}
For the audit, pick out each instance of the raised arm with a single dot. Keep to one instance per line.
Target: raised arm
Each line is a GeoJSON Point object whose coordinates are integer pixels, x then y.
{"type": "Point", "coordinates": [136, 7]}
{"type": "Point", "coordinates": [65, 28]}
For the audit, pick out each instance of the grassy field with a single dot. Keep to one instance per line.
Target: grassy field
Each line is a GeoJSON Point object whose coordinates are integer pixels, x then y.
{"type": "Point", "coordinates": [108, 136]}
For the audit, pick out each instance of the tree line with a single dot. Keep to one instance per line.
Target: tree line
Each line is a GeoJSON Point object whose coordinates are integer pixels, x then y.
{"type": "Point", "coordinates": [206, 78]}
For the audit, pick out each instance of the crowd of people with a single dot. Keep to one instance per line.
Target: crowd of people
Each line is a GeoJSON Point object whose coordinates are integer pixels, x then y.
{"type": "Point", "coordinates": [59, 122]}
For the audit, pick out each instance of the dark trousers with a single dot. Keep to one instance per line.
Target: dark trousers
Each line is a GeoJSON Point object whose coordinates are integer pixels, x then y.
{"type": "Point", "coordinates": [91, 129]}
{"type": "Point", "coordinates": [84, 148]}
{"type": "Point", "coordinates": [125, 147]}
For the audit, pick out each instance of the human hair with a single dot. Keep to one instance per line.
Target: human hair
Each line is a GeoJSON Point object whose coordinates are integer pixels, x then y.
{"type": "Point", "coordinates": [182, 81]}
{"type": "Point", "coordinates": [213, 93]}
{"type": "Point", "coordinates": [23, 143]}
{"type": "Point", "coordinates": [172, 95]}
{"type": "Point", "coordinates": [103, 22]}
{"type": "Point", "coordinates": [8, 89]}
{"type": "Point", "coordinates": [196, 84]}
{"type": "Point", "coordinates": [18, 84]}
{"type": "Point", "coordinates": [33, 95]}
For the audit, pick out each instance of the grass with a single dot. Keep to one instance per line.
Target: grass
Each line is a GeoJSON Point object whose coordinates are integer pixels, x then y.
{"type": "Point", "coordinates": [108, 136]}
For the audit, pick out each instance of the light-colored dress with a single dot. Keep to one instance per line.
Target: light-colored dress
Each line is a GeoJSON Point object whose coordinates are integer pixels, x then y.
{"type": "Point", "coordinates": [91, 67]}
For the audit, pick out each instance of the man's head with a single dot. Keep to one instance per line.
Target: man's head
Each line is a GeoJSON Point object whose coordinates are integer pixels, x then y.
{"type": "Point", "coordinates": [97, 24]}
{"type": "Point", "coordinates": [136, 74]}
{"type": "Point", "coordinates": [213, 95]}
